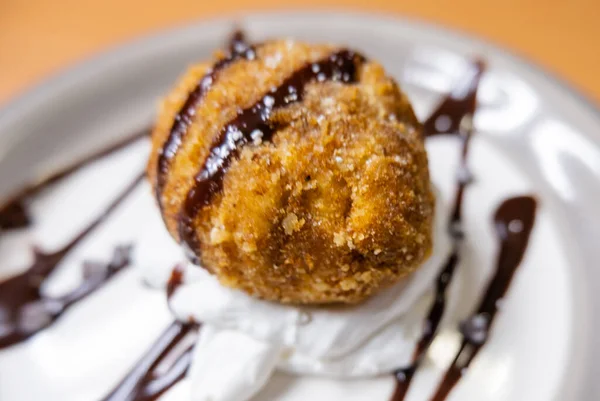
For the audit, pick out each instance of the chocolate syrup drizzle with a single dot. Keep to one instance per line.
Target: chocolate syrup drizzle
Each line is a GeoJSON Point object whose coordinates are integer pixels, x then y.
{"type": "Point", "coordinates": [513, 223]}
{"type": "Point", "coordinates": [238, 49]}
{"type": "Point", "coordinates": [147, 380]}
{"type": "Point", "coordinates": [175, 281]}
{"type": "Point", "coordinates": [456, 114]}
{"type": "Point", "coordinates": [13, 213]}
{"type": "Point", "coordinates": [253, 124]}
{"type": "Point", "coordinates": [24, 309]}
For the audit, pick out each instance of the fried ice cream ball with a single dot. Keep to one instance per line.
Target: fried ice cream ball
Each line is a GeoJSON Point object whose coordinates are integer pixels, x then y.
{"type": "Point", "coordinates": [336, 205]}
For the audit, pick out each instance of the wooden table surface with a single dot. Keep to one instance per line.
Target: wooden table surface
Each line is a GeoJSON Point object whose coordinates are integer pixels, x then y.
{"type": "Point", "coordinates": [40, 37]}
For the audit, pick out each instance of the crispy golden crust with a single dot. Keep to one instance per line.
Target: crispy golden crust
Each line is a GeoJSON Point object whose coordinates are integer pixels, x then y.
{"type": "Point", "coordinates": [337, 206]}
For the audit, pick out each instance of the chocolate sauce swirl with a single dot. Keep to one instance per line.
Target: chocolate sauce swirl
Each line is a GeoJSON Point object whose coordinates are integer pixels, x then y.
{"type": "Point", "coordinates": [238, 42]}
{"type": "Point", "coordinates": [175, 281]}
{"type": "Point", "coordinates": [405, 375]}
{"type": "Point", "coordinates": [253, 123]}
{"type": "Point", "coordinates": [13, 213]}
{"type": "Point", "coordinates": [449, 115]}
{"type": "Point", "coordinates": [173, 348]}
{"type": "Point", "coordinates": [456, 114]}
{"type": "Point", "coordinates": [238, 49]}
{"type": "Point", "coordinates": [24, 310]}
{"type": "Point", "coordinates": [513, 222]}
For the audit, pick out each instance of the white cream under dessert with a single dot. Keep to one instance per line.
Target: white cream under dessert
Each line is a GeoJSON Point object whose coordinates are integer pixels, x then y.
{"type": "Point", "coordinates": [255, 336]}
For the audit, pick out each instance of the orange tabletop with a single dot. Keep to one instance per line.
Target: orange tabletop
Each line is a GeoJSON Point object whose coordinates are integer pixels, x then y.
{"type": "Point", "coordinates": [40, 37]}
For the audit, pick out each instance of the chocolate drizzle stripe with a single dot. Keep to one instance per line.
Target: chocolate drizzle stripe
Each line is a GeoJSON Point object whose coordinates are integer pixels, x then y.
{"type": "Point", "coordinates": [448, 116]}
{"type": "Point", "coordinates": [175, 281]}
{"type": "Point", "coordinates": [143, 383]}
{"type": "Point", "coordinates": [239, 49]}
{"type": "Point", "coordinates": [252, 124]}
{"type": "Point", "coordinates": [237, 41]}
{"type": "Point", "coordinates": [513, 222]}
{"type": "Point", "coordinates": [13, 213]}
{"type": "Point", "coordinates": [24, 310]}
{"type": "Point", "coordinates": [456, 114]}
{"type": "Point", "coordinates": [458, 109]}
{"type": "Point", "coordinates": [405, 375]}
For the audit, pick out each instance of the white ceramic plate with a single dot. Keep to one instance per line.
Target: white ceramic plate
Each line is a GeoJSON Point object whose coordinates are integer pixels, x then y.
{"type": "Point", "coordinates": [534, 136]}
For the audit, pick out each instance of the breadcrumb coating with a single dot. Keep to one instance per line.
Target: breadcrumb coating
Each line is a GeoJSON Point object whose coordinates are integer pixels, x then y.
{"type": "Point", "coordinates": [337, 206]}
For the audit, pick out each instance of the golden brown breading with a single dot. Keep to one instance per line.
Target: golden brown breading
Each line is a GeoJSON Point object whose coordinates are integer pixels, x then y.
{"type": "Point", "coordinates": [337, 206]}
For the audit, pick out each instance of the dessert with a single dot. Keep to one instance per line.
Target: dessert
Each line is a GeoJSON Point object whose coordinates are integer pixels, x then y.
{"type": "Point", "coordinates": [294, 172]}
{"type": "Point", "coordinates": [26, 309]}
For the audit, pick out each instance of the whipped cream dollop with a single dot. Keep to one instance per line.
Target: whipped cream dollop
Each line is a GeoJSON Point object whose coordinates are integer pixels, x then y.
{"type": "Point", "coordinates": [243, 340]}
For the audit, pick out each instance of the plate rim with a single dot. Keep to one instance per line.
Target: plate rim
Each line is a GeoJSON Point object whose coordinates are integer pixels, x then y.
{"type": "Point", "coordinates": [98, 59]}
